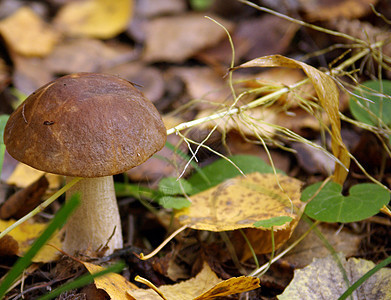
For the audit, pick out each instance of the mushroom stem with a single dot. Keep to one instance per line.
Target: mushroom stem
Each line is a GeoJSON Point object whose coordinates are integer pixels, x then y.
{"type": "Point", "coordinates": [96, 220]}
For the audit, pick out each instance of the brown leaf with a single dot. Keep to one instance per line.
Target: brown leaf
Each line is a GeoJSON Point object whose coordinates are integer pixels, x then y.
{"type": "Point", "coordinates": [312, 246]}
{"type": "Point", "coordinates": [25, 200]}
{"type": "Point", "coordinates": [148, 79]}
{"type": "Point", "coordinates": [8, 246]}
{"type": "Point", "coordinates": [30, 73]}
{"type": "Point", "coordinates": [328, 95]}
{"type": "Point", "coordinates": [152, 8]}
{"type": "Point", "coordinates": [89, 55]}
{"type": "Point", "coordinates": [26, 34]}
{"type": "Point", "coordinates": [203, 84]}
{"type": "Point", "coordinates": [321, 10]}
{"type": "Point", "coordinates": [177, 38]}
{"type": "Point", "coordinates": [273, 35]}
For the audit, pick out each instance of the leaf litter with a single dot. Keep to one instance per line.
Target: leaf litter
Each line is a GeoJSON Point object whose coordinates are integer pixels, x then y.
{"type": "Point", "coordinates": [190, 84]}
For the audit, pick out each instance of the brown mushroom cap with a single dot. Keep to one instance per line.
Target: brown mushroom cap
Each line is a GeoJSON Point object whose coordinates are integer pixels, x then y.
{"type": "Point", "coordinates": [85, 125]}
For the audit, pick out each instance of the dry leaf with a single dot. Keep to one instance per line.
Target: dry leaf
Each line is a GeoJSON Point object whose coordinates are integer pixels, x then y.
{"type": "Point", "coordinates": [272, 35]}
{"type": "Point", "coordinates": [26, 233]}
{"type": "Point", "coordinates": [177, 38]}
{"type": "Point", "coordinates": [24, 175]}
{"type": "Point", "coordinates": [148, 79]}
{"type": "Point", "coordinates": [241, 201]}
{"type": "Point", "coordinates": [260, 240]}
{"type": "Point", "coordinates": [30, 73]}
{"type": "Point", "coordinates": [94, 18]}
{"type": "Point", "coordinates": [202, 83]}
{"type": "Point", "coordinates": [281, 78]}
{"type": "Point", "coordinates": [328, 95]}
{"type": "Point", "coordinates": [115, 285]}
{"type": "Point", "coordinates": [321, 10]}
{"type": "Point", "coordinates": [165, 163]}
{"type": "Point", "coordinates": [206, 285]}
{"type": "Point", "coordinates": [8, 246]}
{"type": "Point", "coordinates": [153, 8]}
{"type": "Point", "coordinates": [312, 246]}
{"type": "Point", "coordinates": [24, 200]}
{"type": "Point", "coordinates": [26, 34]}
{"type": "Point", "coordinates": [323, 279]}
{"type": "Point", "coordinates": [95, 56]}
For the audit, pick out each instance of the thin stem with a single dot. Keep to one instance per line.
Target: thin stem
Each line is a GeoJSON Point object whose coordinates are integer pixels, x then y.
{"type": "Point", "coordinates": [165, 242]}
{"type": "Point", "coordinates": [294, 244]}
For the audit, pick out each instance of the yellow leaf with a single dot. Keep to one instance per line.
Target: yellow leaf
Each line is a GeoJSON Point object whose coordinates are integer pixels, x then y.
{"type": "Point", "coordinates": [241, 201]}
{"type": "Point", "coordinates": [115, 285]}
{"type": "Point", "coordinates": [206, 285]}
{"type": "Point", "coordinates": [328, 96]}
{"type": "Point", "coordinates": [26, 34]}
{"type": "Point", "coordinates": [24, 175]}
{"type": "Point", "coordinates": [95, 18]}
{"type": "Point", "coordinates": [26, 233]}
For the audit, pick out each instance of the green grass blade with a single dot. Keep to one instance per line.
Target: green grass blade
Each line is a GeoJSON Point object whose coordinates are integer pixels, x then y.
{"type": "Point", "coordinates": [368, 274]}
{"type": "Point", "coordinates": [23, 262]}
{"type": "Point", "coordinates": [83, 280]}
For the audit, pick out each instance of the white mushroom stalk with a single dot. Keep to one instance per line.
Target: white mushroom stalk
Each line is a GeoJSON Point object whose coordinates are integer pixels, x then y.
{"type": "Point", "coordinates": [95, 225]}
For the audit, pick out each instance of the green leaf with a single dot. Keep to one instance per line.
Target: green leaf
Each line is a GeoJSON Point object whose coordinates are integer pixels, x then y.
{"type": "Point", "coordinates": [174, 202]}
{"type": "Point", "coordinates": [221, 170]}
{"type": "Point", "coordinates": [23, 262]}
{"type": "Point", "coordinates": [378, 106]}
{"type": "Point", "coordinates": [329, 205]}
{"type": "Point", "coordinates": [275, 221]}
{"type": "Point", "coordinates": [174, 186]}
{"type": "Point", "coordinates": [200, 4]}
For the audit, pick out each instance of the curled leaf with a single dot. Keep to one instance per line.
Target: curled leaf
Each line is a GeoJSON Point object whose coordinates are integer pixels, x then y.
{"type": "Point", "coordinates": [328, 96]}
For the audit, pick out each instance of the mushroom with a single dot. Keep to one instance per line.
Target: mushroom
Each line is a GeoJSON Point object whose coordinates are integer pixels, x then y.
{"type": "Point", "coordinates": [93, 126]}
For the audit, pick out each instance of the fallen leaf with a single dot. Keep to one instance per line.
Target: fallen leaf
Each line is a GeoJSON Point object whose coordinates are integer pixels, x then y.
{"type": "Point", "coordinates": [24, 200]}
{"type": "Point", "coordinates": [152, 8]}
{"type": "Point", "coordinates": [203, 84]}
{"type": "Point", "coordinates": [8, 246]}
{"type": "Point", "coordinates": [115, 285]}
{"type": "Point", "coordinates": [312, 160]}
{"type": "Point", "coordinates": [328, 97]}
{"type": "Point", "coordinates": [26, 34]}
{"type": "Point", "coordinates": [148, 79]}
{"type": "Point", "coordinates": [94, 18]}
{"type": "Point", "coordinates": [96, 56]}
{"type": "Point", "coordinates": [30, 73]}
{"type": "Point", "coordinates": [312, 246]}
{"type": "Point", "coordinates": [164, 163]}
{"type": "Point", "coordinates": [323, 279]}
{"type": "Point", "coordinates": [241, 201]}
{"type": "Point", "coordinates": [273, 35]}
{"type": "Point", "coordinates": [280, 78]}
{"type": "Point", "coordinates": [260, 240]}
{"type": "Point", "coordinates": [24, 175]}
{"type": "Point", "coordinates": [321, 10]}
{"type": "Point", "coordinates": [177, 38]}
{"type": "Point", "coordinates": [206, 285]}
{"type": "Point", "coordinates": [26, 233]}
